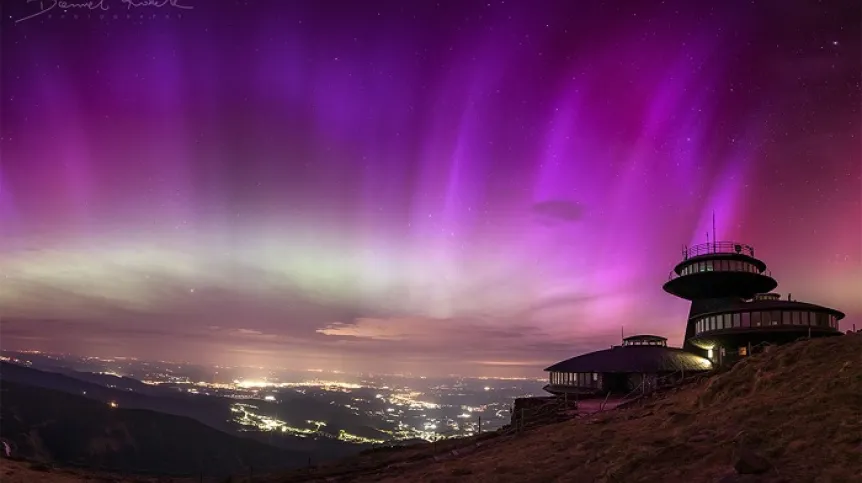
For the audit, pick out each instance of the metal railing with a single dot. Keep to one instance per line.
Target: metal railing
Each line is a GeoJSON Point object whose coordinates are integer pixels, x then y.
{"type": "Point", "coordinates": [717, 247]}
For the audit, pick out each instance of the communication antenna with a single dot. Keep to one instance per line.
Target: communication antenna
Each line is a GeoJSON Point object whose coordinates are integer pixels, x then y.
{"type": "Point", "coordinates": [713, 228]}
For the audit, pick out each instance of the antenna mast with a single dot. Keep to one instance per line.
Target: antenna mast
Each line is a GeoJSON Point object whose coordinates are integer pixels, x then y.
{"type": "Point", "coordinates": [713, 229]}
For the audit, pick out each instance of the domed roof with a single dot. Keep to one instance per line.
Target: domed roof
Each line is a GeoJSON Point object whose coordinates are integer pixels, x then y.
{"type": "Point", "coordinates": [634, 358]}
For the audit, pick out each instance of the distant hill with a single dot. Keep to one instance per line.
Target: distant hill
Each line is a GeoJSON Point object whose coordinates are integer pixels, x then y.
{"type": "Point", "coordinates": [68, 429]}
{"type": "Point", "coordinates": [122, 383]}
{"type": "Point", "coordinates": [210, 410]}
{"type": "Point", "coordinates": [795, 412]}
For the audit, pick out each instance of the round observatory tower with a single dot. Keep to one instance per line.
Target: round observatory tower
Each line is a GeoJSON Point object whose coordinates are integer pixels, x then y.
{"type": "Point", "coordinates": [732, 312]}
{"type": "Point", "coordinates": [718, 270]}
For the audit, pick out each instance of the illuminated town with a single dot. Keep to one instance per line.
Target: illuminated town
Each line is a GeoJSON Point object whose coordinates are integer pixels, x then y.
{"type": "Point", "coordinates": [322, 405]}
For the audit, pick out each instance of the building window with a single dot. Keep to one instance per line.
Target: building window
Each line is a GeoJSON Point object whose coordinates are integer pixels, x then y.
{"type": "Point", "coordinates": [743, 351]}
{"type": "Point", "coordinates": [746, 319]}
{"type": "Point", "coordinates": [736, 320]}
{"type": "Point", "coordinates": [795, 318]}
{"type": "Point", "coordinates": [803, 318]}
{"type": "Point", "coordinates": [786, 318]}
{"type": "Point", "coordinates": [776, 317]}
{"type": "Point", "coordinates": [755, 319]}
{"type": "Point", "coordinates": [822, 320]}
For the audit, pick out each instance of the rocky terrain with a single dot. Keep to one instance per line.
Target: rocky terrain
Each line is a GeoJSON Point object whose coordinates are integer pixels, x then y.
{"type": "Point", "coordinates": [793, 414]}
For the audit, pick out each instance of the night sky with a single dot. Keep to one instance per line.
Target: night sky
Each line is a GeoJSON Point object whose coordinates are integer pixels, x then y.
{"type": "Point", "coordinates": [437, 187]}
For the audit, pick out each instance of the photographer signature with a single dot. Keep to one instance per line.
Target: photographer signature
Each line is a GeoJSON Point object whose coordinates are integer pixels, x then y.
{"type": "Point", "coordinates": [101, 5]}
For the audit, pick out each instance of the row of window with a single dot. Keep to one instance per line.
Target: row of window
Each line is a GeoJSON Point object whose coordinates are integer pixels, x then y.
{"type": "Point", "coordinates": [579, 379]}
{"type": "Point", "coordinates": [661, 343]}
{"type": "Point", "coordinates": [720, 266]}
{"type": "Point", "coordinates": [765, 318]}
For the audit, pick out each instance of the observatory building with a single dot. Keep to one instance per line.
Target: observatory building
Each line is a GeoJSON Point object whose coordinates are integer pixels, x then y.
{"type": "Point", "coordinates": [641, 359]}
{"type": "Point", "coordinates": [733, 314]}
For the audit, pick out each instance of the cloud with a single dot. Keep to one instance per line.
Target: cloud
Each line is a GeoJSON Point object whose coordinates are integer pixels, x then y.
{"type": "Point", "coordinates": [561, 210]}
{"type": "Point", "coordinates": [394, 329]}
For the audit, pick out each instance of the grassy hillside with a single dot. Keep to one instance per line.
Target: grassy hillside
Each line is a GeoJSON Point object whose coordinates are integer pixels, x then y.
{"type": "Point", "coordinates": [795, 411]}
{"type": "Point", "coordinates": [64, 428]}
{"type": "Point", "coordinates": [797, 408]}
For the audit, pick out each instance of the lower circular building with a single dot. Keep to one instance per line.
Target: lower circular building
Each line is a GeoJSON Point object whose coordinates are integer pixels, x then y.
{"type": "Point", "coordinates": [640, 360]}
{"type": "Point", "coordinates": [738, 328]}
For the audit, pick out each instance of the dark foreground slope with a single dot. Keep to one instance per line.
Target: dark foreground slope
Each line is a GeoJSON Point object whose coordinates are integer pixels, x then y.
{"type": "Point", "coordinates": [63, 428]}
{"type": "Point", "coordinates": [799, 407]}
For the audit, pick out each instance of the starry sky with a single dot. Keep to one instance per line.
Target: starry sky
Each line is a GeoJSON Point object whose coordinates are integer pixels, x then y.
{"type": "Point", "coordinates": [435, 187]}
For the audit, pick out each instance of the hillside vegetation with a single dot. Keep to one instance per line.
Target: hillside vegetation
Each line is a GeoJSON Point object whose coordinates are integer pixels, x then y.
{"type": "Point", "coordinates": [794, 414]}
{"type": "Point", "coordinates": [790, 415]}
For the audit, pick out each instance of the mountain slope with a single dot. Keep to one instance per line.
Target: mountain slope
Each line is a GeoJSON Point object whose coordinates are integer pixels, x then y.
{"type": "Point", "coordinates": [209, 410]}
{"type": "Point", "coordinates": [799, 407]}
{"type": "Point", "coordinates": [214, 411]}
{"type": "Point", "coordinates": [64, 428]}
